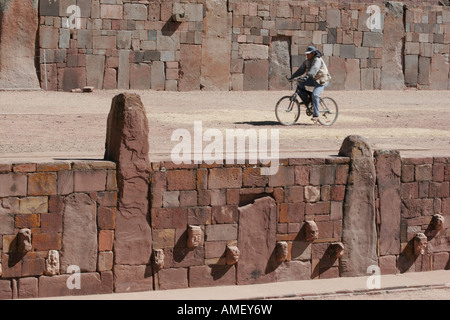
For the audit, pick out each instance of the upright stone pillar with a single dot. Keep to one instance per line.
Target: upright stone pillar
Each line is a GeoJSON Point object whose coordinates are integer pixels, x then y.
{"type": "Point", "coordinates": [216, 46]}
{"type": "Point", "coordinates": [359, 234]}
{"type": "Point", "coordinates": [389, 170]}
{"type": "Point", "coordinates": [127, 145]}
{"type": "Point", "coordinates": [18, 28]}
{"type": "Point", "coordinates": [392, 77]}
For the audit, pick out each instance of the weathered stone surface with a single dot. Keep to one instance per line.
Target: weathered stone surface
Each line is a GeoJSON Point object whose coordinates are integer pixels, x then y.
{"type": "Point", "coordinates": [213, 275]}
{"type": "Point", "coordinates": [71, 78]}
{"type": "Point", "coordinates": [352, 75]}
{"type": "Point", "coordinates": [80, 231]}
{"type": "Point", "coordinates": [293, 271]}
{"type": "Point", "coordinates": [255, 75]}
{"type": "Point", "coordinates": [388, 168]}
{"type": "Point", "coordinates": [157, 75]}
{"type": "Point", "coordinates": [279, 57]}
{"type": "Point", "coordinates": [359, 234]}
{"type": "Point", "coordinates": [56, 286]}
{"type": "Point", "coordinates": [424, 71]}
{"type": "Point", "coordinates": [13, 184]}
{"type": "Point", "coordinates": [140, 76]}
{"type": "Point", "coordinates": [132, 278]}
{"type": "Point", "coordinates": [411, 70]}
{"type": "Point", "coordinates": [216, 47]}
{"type": "Point", "coordinates": [123, 79]}
{"type": "Point", "coordinates": [18, 29]}
{"type": "Point", "coordinates": [439, 77]}
{"type": "Point", "coordinates": [337, 70]}
{"type": "Point", "coordinates": [256, 242]}
{"type": "Point", "coordinates": [190, 67]}
{"type": "Point", "coordinates": [173, 279]}
{"type": "Point", "coordinates": [393, 33]}
{"type": "Point", "coordinates": [95, 68]}
{"type": "Point", "coordinates": [127, 145]}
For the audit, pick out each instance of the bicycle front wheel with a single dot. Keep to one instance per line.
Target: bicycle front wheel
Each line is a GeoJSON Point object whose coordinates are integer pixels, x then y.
{"type": "Point", "coordinates": [287, 110]}
{"type": "Point", "coordinates": [328, 111]}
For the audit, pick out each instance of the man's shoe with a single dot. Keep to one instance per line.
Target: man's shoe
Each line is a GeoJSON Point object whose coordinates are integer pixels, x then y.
{"type": "Point", "coordinates": [315, 119]}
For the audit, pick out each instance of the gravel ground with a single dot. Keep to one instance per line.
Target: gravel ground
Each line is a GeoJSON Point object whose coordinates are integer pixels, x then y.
{"type": "Point", "coordinates": [61, 125]}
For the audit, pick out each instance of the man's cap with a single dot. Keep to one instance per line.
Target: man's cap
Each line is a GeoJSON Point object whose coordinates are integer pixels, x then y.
{"type": "Point", "coordinates": [310, 49]}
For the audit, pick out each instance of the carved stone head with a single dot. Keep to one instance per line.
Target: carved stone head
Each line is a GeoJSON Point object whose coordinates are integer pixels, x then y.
{"type": "Point", "coordinates": [437, 222]}
{"type": "Point", "coordinates": [24, 240]}
{"type": "Point", "coordinates": [282, 251]}
{"type": "Point", "coordinates": [52, 263]}
{"type": "Point", "coordinates": [336, 250]}
{"type": "Point", "coordinates": [311, 231]}
{"type": "Point", "coordinates": [195, 236]}
{"type": "Point", "coordinates": [233, 254]}
{"type": "Point", "coordinates": [420, 243]}
{"type": "Point", "coordinates": [158, 259]}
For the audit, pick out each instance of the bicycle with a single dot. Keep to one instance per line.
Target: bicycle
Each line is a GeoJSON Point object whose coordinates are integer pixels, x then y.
{"type": "Point", "coordinates": [287, 109]}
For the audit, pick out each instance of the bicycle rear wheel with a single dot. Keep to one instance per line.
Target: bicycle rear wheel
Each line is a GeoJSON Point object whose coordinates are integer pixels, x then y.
{"type": "Point", "coordinates": [287, 110]}
{"type": "Point", "coordinates": [328, 110]}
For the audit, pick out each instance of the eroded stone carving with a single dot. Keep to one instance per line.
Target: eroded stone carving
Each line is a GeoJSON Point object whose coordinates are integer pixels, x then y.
{"type": "Point", "coordinates": [336, 250]}
{"type": "Point", "coordinates": [282, 251]}
{"type": "Point", "coordinates": [52, 263]}
{"type": "Point", "coordinates": [24, 240]}
{"type": "Point", "coordinates": [158, 259]}
{"type": "Point", "coordinates": [437, 222]}
{"type": "Point", "coordinates": [195, 236]}
{"type": "Point", "coordinates": [233, 254]}
{"type": "Point", "coordinates": [420, 243]}
{"type": "Point", "coordinates": [311, 231]}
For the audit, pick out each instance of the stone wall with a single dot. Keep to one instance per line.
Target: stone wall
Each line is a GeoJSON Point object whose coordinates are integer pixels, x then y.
{"type": "Point", "coordinates": [71, 208]}
{"type": "Point", "coordinates": [241, 45]}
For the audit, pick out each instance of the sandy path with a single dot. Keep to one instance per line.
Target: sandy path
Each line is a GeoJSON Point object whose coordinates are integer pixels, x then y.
{"type": "Point", "coordinates": [59, 125]}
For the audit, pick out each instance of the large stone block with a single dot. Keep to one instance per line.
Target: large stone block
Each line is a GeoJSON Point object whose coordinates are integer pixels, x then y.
{"type": "Point", "coordinates": [216, 47]}
{"type": "Point", "coordinates": [392, 77]}
{"type": "Point", "coordinates": [388, 168]}
{"type": "Point", "coordinates": [71, 78]}
{"type": "Point", "coordinates": [18, 29]}
{"type": "Point", "coordinates": [123, 79]}
{"type": "Point", "coordinates": [411, 70]}
{"type": "Point", "coordinates": [359, 234]}
{"type": "Point", "coordinates": [140, 76]}
{"type": "Point", "coordinates": [279, 64]}
{"type": "Point", "coordinates": [256, 75]}
{"type": "Point", "coordinates": [372, 39]}
{"type": "Point", "coordinates": [337, 70]}
{"type": "Point", "coordinates": [134, 12]}
{"type": "Point", "coordinates": [352, 74]}
{"type": "Point", "coordinates": [95, 69]}
{"type": "Point", "coordinates": [333, 18]}
{"type": "Point", "coordinates": [56, 286]}
{"type": "Point", "coordinates": [127, 145]}
{"type": "Point", "coordinates": [80, 231]}
{"type": "Point", "coordinates": [424, 71]}
{"type": "Point", "coordinates": [367, 79]}
{"type": "Point", "coordinates": [190, 67]}
{"type": "Point", "coordinates": [13, 184]}
{"type": "Point", "coordinates": [439, 78]}
{"type": "Point", "coordinates": [158, 75]}
{"type": "Point", "coordinates": [256, 242]}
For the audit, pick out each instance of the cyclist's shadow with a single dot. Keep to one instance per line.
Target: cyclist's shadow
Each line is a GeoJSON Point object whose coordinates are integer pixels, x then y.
{"type": "Point", "coordinates": [272, 123]}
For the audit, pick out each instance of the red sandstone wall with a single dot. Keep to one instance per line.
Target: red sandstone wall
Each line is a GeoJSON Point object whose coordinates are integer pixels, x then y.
{"type": "Point", "coordinates": [241, 46]}
{"type": "Point", "coordinates": [36, 196]}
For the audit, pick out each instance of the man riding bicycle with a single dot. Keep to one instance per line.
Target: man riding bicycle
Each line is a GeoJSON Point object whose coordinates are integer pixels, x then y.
{"type": "Point", "coordinates": [315, 74]}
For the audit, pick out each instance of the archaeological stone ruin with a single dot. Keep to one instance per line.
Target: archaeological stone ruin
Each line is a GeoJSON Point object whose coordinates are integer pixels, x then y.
{"type": "Point", "coordinates": [221, 44]}
{"type": "Point", "coordinates": [127, 224]}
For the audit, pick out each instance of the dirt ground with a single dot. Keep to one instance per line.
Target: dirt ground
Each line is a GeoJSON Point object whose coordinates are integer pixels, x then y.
{"type": "Point", "coordinates": [59, 125]}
